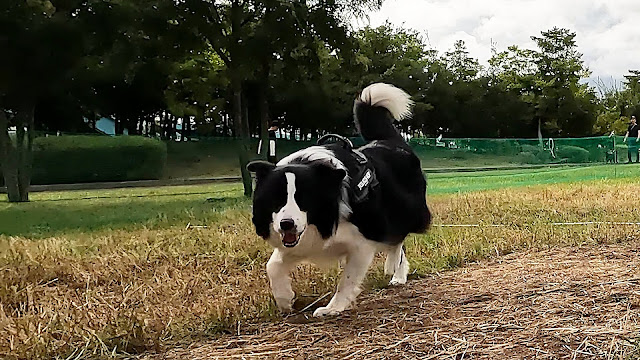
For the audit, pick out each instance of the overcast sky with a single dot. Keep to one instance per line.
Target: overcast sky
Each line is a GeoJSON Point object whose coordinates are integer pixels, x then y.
{"type": "Point", "coordinates": [608, 32]}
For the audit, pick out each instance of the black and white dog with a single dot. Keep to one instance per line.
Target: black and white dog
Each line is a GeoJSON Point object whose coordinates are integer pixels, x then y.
{"type": "Point", "coordinates": [331, 202]}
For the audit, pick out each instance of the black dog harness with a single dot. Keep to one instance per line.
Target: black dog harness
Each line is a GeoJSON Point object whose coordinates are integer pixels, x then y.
{"type": "Point", "coordinates": [364, 179]}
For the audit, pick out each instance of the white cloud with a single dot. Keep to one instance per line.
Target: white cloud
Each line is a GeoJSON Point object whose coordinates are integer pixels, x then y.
{"type": "Point", "coordinates": [608, 32]}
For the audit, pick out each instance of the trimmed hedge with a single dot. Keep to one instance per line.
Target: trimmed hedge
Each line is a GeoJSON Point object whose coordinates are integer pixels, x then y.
{"type": "Point", "coordinates": [527, 157]}
{"type": "Point", "coordinates": [495, 146]}
{"type": "Point", "coordinates": [534, 154]}
{"type": "Point", "coordinates": [574, 154]}
{"type": "Point", "coordinates": [74, 159]}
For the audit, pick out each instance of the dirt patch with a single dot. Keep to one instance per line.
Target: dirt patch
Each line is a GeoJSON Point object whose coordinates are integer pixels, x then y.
{"type": "Point", "coordinates": [573, 303]}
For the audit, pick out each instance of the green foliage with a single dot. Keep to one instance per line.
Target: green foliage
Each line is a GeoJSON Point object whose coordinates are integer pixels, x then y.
{"type": "Point", "coordinates": [574, 154]}
{"type": "Point", "coordinates": [459, 154]}
{"type": "Point", "coordinates": [565, 107]}
{"type": "Point", "coordinates": [534, 154]}
{"type": "Point", "coordinates": [618, 105]}
{"type": "Point", "coordinates": [544, 157]}
{"type": "Point", "coordinates": [527, 157]}
{"type": "Point", "coordinates": [548, 81]}
{"type": "Point", "coordinates": [610, 121]}
{"type": "Point", "coordinates": [70, 159]}
{"type": "Point", "coordinates": [231, 67]}
{"type": "Point", "coordinates": [534, 149]}
{"type": "Point", "coordinates": [496, 146]}
{"type": "Point", "coordinates": [460, 64]}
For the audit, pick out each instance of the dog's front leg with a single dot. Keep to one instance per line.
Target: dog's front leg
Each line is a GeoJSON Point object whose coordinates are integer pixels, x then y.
{"type": "Point", "coordinates": [355, 270]}
{"type": "Point", "coordinates": [279, 272]}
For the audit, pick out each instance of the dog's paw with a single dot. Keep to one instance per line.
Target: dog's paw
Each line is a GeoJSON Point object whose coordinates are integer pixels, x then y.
{"type": "Point", "coordinates": [285, 305]}
{"type": "Point", "coordinates": [326, 311]}
{"type": "Point", "coordinates": [397, 282]}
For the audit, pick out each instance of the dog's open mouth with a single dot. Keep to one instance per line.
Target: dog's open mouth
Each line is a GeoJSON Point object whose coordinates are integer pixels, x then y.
{"type": "Point", "coordinates": [291, 238]}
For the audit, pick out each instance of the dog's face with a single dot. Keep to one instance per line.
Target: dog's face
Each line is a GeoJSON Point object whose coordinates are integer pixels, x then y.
{"type": "Point", "coordinates": [291, 198]}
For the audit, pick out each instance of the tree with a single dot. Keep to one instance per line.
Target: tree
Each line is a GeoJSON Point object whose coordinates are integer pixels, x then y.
{"type": "Point", "coordinates": [549, 82]}
{"type": "Point", "coordinates": [618, 105]}
{"type": "Point", "coordinates": [113, 51]}
{"type": "Point", "coordinates": [382, 54]}
{"type": "Point", "coordinates": [231, 26]}
{"type": "Point", "coordinates": [460, 64]}
{"type": "Point", "coordinates": [197, 89]}
{"type": "Point", "coordinates": [565, 107]}
{"type": "Point", "coordinates": [630, 99]}
{"type": "Point", "coordinates": [33, 34]}
{"type": "Point", "coordinates": [516, 73]}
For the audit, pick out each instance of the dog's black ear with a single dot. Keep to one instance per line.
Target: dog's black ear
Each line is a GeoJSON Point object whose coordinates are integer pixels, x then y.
{"type": "Point", "coordinates": [330, 174]}
{"type": "Point", "coordinates": [261, 168]}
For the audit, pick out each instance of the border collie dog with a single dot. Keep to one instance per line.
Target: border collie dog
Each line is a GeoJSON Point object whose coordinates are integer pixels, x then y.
{"type": "Point", "coordinates": [330, 202]}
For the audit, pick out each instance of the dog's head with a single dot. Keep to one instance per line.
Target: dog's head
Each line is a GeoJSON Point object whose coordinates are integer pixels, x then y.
{"type": "Point", "coordinates": [288, 199]}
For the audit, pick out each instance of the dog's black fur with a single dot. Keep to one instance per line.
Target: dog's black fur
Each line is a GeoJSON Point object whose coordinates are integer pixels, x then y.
{"type": "Point", "coordinates": [331, 202]}
{"type": "Point", "coordinates": [394, 208]}
{"type": "Point", "coordinates": [318, 194]}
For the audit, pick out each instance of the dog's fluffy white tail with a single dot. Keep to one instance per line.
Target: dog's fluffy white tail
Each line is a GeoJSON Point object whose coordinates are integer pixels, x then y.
{"type": "Point", "coordinates": [377, 107]}
{"type": "Point", "coordinates": [395, 100]}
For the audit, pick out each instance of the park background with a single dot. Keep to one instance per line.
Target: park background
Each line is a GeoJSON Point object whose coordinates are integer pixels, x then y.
{"type": "Point", "coordinates": [96, 94]}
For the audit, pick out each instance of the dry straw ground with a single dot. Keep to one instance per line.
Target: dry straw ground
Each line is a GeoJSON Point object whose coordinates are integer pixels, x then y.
{"type": "Point", "coordinates": [569, 303]}
{"type": "Point", "coordinates": [95, 294]}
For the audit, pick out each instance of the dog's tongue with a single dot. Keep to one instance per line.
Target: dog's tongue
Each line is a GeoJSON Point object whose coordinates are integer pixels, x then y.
{"type": "Point", "coordinates": [289, 238]}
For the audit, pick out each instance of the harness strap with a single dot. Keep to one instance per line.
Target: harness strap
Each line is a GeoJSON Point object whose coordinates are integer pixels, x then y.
{"type": "Point", "coordinates": [365, 177]}
{"type": "Point", "coordinates": [359, 156]}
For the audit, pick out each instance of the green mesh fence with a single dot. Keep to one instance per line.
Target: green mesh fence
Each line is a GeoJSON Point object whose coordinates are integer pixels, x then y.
{"type": "Point", "coordinates": [217, 157]}
{"type": "Point", "coordinates": [469, 152]}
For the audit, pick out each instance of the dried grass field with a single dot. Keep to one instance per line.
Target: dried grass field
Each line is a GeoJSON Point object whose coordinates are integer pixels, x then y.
{"type": "Point", "coordinates": [178, 273]}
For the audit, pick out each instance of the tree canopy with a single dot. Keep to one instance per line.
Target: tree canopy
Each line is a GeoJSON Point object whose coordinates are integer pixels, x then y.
{"type": "Point", "coordinates": [230, 67]}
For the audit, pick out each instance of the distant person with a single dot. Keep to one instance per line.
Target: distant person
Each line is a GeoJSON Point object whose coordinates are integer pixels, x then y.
{"type": "Point", "coordinates": [271, 155]}
{"type": "Point", "coordinates": [271, 148]}
{"type": "Point", "coordinates": [633, 137]}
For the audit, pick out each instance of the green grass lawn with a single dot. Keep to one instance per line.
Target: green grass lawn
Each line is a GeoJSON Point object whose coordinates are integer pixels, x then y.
{"type": "Point", "coordinates": [219, 158]}
{"type": "Point", "coordinates": [447, 183]}
{"type": "Point", "coordinates": [52, 213]}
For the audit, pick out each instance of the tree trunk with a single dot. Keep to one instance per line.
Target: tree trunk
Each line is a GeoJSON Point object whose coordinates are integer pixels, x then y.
{"type": "Point", "coordinates": [152, 127]}
{"type": "Point", "coordinates": [16, 161]}
{"type": "Point", "coordinates": [174, 128]}
{"type": "Point", "coordinates": [25, 159]}
{"type": "Point", "coordinates": [241, 126]}
{"type": "Point", "coordinates": [185, 123]}
{"type": "Point", "coordinates": [196, 118]}
{"type": "Point", "coordinates": [265, 121]}
{"type": "Point", "coordinates": [8, 160]}
{"type": "Point", "coordinates": [164, 132]}
{"type": "Point", "coordinates": [540, 132]}
{"type": "Point", "coordinates": [200, 120]}
{"type": "Point", "coordinates": [240, 120]}
{"type": "Point", "coordinates": [167, 127]}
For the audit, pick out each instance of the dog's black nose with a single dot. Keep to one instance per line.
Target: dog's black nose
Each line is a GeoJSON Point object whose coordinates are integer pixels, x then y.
{"type": "Point", "coordinates": [287, 224]}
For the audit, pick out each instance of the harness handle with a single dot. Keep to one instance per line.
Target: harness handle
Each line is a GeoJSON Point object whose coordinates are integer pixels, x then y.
{"type": "Point", "coordinates": [345, 141]}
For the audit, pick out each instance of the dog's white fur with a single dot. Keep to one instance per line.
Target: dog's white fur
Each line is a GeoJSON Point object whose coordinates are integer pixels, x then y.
{"type": "Point", "coordinates": [319, 153]}
{"type": "Point", "coordinates": [346, 244]}
{"type": "Point", "coordinates": [313, 153]}
{"type": "Point", "coordinates": [397, 101]}
{"type": "Point", "coordinates": [290, 210]}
